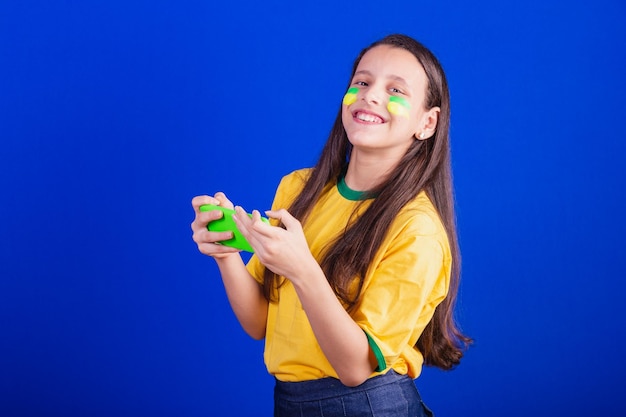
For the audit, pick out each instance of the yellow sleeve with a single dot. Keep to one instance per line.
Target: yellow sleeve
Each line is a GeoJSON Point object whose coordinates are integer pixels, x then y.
{"type": "Point", "coordinates": [408, 280]}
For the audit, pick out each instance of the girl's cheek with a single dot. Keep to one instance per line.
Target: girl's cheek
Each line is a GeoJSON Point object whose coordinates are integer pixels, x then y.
{"type": "Point", "coordinates": [350, 96]}
{"type": "Point", "coordinates": [398, 106]}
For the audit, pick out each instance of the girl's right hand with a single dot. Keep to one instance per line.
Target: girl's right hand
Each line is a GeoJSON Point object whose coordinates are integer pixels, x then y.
{"type": "Point", "coordinates": [205, 239]}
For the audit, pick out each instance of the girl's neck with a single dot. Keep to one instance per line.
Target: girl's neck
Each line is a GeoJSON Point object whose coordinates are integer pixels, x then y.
{"type": "Point", "coordinates": [367, 171]}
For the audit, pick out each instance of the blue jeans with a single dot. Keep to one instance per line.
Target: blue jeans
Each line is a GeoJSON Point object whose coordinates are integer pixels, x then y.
{"type": "Point", "coordinates": [385, 395]}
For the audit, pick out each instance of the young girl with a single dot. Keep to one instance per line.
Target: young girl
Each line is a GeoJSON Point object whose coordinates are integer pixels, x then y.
{"type": "Point", "coordinates": [354, 291]}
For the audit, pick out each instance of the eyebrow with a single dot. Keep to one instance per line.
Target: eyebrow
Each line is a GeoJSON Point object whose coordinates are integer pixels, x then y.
{"type": "Point", "coordinates": [393, 77]}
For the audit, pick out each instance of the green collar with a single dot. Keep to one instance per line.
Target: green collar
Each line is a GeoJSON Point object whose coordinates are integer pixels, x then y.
{"type": "Point", "coordinates": [348, 193]}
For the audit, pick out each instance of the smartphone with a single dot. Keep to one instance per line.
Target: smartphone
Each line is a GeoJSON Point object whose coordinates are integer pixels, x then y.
{"type": "Point", "coordinates": [227, 224]}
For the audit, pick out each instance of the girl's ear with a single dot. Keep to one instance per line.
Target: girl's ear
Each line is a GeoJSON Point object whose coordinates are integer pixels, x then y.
{"type": "Point", "coordinates": [428, 124]}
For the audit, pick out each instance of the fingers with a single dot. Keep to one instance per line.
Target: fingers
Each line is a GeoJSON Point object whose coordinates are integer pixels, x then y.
{"type": "Point", "coordinates": [223, 200]}
{"type": "Point", "coordinates": [219, 199]}
{"type": "Point", "coordinates": [243, 221]}
{"type": "Point", "coordinates": [287, 219]}
{"type": "Point", "coordinates": [202, 219]}
{"type": "Point", "coordinates": [201, 236]}
{"type": "Point", "coordinates": [207, 241]}
{"type": "Point", "coordinates": [215, 250]}
{"type": "Point", "coordinates": [199, 225]}
{"type": "Point", "coordinates": [247, 224]}
{"type": "Point", "coordinates": [200, 200]}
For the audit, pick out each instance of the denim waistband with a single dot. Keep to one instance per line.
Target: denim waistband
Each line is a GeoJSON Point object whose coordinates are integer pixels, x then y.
{"type": "Point", "coordinates": [319, 389]}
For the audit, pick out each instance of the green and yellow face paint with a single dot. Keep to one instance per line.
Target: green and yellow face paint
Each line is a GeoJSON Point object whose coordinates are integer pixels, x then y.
{"type": "Point", "coordinates": [350, 96]}
{"type": "Point", "coordinates": [398, 106]}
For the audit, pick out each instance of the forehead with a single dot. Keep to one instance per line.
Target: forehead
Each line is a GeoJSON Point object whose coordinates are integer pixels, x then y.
{"type": "Point", "coordinates": [392, 62]}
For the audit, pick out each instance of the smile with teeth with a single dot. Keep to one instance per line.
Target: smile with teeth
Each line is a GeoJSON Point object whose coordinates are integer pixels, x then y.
{"type": "Point", "coordinates": [367, 117]}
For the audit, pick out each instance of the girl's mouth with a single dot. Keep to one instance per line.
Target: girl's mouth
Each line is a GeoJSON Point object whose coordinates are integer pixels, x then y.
{"type": "Point", "coordinates": [368, 117]}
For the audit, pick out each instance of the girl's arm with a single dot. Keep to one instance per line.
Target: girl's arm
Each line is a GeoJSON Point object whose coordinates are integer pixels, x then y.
{"type": "Point", "coordinates": [285, 252]}
{"type": "Point", "coordinates": [244, 293]}
{"type": "Point", "coordinates": [343, 342]}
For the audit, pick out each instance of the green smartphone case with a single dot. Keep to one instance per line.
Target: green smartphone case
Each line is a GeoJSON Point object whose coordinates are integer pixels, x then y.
{"type": "Point", "coordinates": [227, 224]}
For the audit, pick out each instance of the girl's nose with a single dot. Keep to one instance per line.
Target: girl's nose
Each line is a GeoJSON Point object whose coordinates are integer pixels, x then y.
{"type": "Point", "coordinates": [371, 96]}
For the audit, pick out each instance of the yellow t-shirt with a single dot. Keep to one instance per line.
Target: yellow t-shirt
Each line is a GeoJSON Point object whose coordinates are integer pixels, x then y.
{"type": "Point", "coordinates": [407, 279]}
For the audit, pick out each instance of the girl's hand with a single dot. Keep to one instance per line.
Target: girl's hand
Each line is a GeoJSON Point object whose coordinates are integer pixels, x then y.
{"type": "Point", "coordinates": [205, 239]}
{"type": "Point", "coordinates": [284, 251]}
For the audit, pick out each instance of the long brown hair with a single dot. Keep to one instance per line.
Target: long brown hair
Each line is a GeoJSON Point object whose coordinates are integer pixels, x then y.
{"type": "Point", "coordinates": [425, 166]}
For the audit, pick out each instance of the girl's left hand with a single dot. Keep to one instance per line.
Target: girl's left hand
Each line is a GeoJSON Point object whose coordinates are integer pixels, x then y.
{"type": "Point", "coordinates": [284, 251]}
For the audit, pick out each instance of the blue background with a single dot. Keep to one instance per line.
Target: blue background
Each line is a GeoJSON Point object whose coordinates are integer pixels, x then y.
{"type": "Point", "coordinates": [114, 114]}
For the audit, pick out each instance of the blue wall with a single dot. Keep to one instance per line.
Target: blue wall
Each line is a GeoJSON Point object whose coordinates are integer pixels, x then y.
{"type": "Point", "coordinates": [113, 114]}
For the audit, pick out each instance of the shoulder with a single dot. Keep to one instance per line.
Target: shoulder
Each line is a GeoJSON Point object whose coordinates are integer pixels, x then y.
{"type": "Point", "coordinates": [420, 223]}
{"type": "Point", "coordinates": [290, 187]}
{"type": "Point", "coordinates": [421, 215]}
{"type": "Point", "coordinates": [296, 178]}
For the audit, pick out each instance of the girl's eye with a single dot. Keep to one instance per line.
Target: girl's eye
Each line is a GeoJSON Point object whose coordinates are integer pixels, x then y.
{"type": "Point", "coordinates": [395, 90]}
{"type": "Point", "coordinates": [363, 83]}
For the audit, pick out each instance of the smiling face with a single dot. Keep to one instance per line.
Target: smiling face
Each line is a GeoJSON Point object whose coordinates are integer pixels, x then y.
{"type": "Point", "coordinates": [386, 114]}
